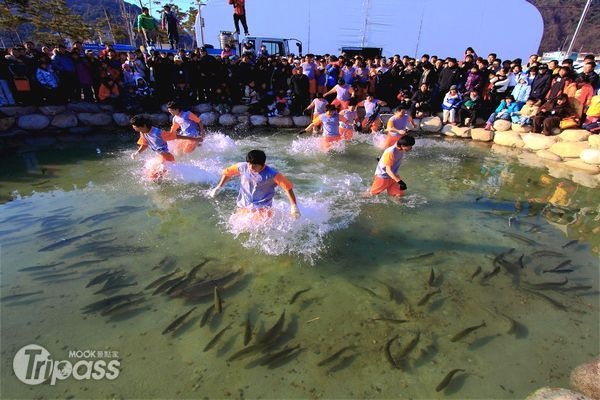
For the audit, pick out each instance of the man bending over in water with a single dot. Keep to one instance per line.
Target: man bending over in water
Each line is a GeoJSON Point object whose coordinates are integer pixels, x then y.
{"type": "Point", "coordinates": [386, 173]}
{"type": "Point", "coordinates": [257, 185]}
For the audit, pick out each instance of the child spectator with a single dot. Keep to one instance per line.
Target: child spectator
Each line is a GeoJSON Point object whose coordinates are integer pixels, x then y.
{"type": "Point", "coordinates": [526, 113]}
{"type": "Point", "coordinates": [450, 105]}
{"type": "Point", "coordinates": [503, 111]}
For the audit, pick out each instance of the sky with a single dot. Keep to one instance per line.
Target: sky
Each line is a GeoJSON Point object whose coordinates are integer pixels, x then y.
{"type": "Point", "coordinates": [438, 27]}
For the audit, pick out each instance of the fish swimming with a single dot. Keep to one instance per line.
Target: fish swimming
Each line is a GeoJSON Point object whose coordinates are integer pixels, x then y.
{"type": "Point", "coordinates": [216, 338]}
{"type": "Point", "coordinates": [297, 294]}
{"type": "Point", "coordinates": [334, 356]}
{"type": "Point", "coordinates": [217, 301]}
{"type": "Point", "coordinates": [466, 331]}
{"type": "Point", "coordinates": [427, 296]}
{"type": "Point", "coordinates": [173, 326]}
{"type": "Point", "coordinates": [447, 379]}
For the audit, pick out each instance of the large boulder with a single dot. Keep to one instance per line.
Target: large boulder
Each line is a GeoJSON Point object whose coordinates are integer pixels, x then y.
{"type": "Point", "coordinates": [586, 378]}
{"type": "Point", "coordinates": [52, 110]}
{"type": "Point", "coordinates": [548, 155]}
{"type": "Point", "coordinates": [258, 120]}
{"type": "Point", "coordinates": [33, 122]}
{"type": "Point", "coordinates": [501, 125]}
{"type": "Point", "coordinates": [569, 149]}
{"type": "Point", "coordinates": [453, 130]}
{"type": "Point", "coordinates": [580, 164]}
{"type": "Point", "coordinates": [302, 120]}
{"type": "Point", "coordinates": [590, 156]}
{"type": "Point", "coordinates": [574, 135]}
{"type": "Point", "coordinates": [84, 107]}
{"type": "Point", "coordinates": [385, 117]}
{"type": "Point", "coordinates": [239, 109]}
{"type": "Point", "coordinates": [107, 108]}
{"type": "Point", "coordinates": [594, 141]}
{"type": "Point", "coordinates": [281, 122]}
{"type": "Point", "coordinates": [95, 119]}
{"type": "Point", "coordinates": [521, 128]}
{"type": "Point", "coordinates": [547, 393]}
{"type": "Point", "coordinates": [121, 119]}
{"type": "Point", "coordinates": [16, 111]}
{"type": "Point", "coordinates": [537, 141]}
{"type": "Point", "coordinates": [482, 135]}
{"type": "Point", "coordinates": [81, 130]}
{"type": "Point", "coordinates": [209, 118]}
{"type": "Point", "coordinates": [431, 124]}
{"type": "Point", "coordinates": [66, 120]}
{"type": "Point", "coordinates": [228, 120]}
{"type": "Point", "coordinates": [6, 123]}
{"type": "Point", "coordinates": [202, 108]}
{"type": "Point", "coordinates": [508, 138]}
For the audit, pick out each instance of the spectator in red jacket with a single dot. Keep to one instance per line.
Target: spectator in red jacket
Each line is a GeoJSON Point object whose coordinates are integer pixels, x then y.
{"type": "Point", "coordinates": [239, 15]}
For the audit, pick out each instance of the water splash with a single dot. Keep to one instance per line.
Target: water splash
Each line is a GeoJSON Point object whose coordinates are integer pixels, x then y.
{"type": "Point", "coordinates": [315, 145]}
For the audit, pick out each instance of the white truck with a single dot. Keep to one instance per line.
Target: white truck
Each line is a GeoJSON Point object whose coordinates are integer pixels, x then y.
{"type": "Point", "coordinates": [274, 46]}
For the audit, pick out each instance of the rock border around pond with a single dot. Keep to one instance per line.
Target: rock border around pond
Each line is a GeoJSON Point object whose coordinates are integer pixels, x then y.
{"type": "Point", "coordinates": [575, 149]}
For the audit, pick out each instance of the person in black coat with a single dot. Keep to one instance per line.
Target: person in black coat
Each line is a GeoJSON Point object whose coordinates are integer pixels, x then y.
{"type": "Point", "coordinates": [300, 93]}
{"type": "Point", "coordinates": [448, 76]}
{"type": "Point", "coordinates": [541, 82]}
{"type": "Point", "coordinates": [421, 102]}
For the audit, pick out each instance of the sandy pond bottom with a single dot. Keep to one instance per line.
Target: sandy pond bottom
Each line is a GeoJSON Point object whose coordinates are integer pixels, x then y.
{"type": "Point", "coordinates": [367, 263]}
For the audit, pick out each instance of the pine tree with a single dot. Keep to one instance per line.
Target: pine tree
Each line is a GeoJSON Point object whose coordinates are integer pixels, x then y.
{"type": "Point", "coordinates": [54, 22]}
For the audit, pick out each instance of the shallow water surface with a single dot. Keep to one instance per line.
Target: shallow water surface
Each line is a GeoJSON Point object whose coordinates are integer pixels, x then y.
{"type": "Point", "coordinates": [360, 297]}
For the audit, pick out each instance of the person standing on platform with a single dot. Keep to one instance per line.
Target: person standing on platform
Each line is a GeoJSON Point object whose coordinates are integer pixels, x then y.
{"type": "Point", "coordinates": [239, 15]}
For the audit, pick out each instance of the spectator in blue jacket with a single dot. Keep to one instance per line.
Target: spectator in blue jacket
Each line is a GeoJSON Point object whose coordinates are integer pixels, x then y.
{"type": "Point", "coordinates": [450, 105]}
{"type": "Point", "coordinates": [503, 111]}
{"type": "Point", "coordinates": [521, 91]}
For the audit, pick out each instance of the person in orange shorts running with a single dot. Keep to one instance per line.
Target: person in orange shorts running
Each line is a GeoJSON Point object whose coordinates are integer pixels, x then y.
{"type": "Point", "coordinates": [156, 139]}
{"type": "Point", "coordinates": [189, 126]}
{"type": "Point", "coordinates": [348, 120]}
{"type": "Point", "coordinates": [397, 126]}
{"type": "Point", "coordinates": [330, 121]}
{"type": "Point", "coordinates": [343, 94]}
{"type": "Point", "coordinates": [257, 185]}
{"type": "Point", "coordinates": [386, 173]}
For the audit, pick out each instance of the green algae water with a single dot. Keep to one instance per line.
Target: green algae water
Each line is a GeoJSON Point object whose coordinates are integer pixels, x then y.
{"type": "Point", "coordinates": [486, 265]}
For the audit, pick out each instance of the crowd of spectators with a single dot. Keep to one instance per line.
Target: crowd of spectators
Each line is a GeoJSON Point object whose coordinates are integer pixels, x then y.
{"type": "Point", "coordinates": [531, 92]}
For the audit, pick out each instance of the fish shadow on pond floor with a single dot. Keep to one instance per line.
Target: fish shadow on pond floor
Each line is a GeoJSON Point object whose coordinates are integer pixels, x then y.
{"type": "Point", "coordinates": [304, 304]}
{"type": "Point", "coordinates": [456, 384]}
{"type": "Point", "coordinates": [216, 319]}
{"type": "Point", "coordinates": [482, 341]}
{"type": "Point", "coordinates": [437, 304]}
{"type": "Point", "coordinates": [24, 302]}
{"type": "Point", "coordinates": [125, 315]}
{"type": "Point", "coordinates": [343, 363]}
{"type": "Point", "coordinates": [427, 354]}
{"type": "Point", "coordinates": [186, 326]}
{"type": "Point", "coordinates": [228, 345]}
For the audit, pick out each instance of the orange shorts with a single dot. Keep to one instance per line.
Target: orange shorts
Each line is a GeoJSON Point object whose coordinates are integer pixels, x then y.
{"type": "Point", "coordinates": [185, 146]}
{"type": "Point", "coordinates": [256, 214]}
{"type": "Point", "coordinates": [381, 184]}
{"type": "Point", "coordinates": [312, 87]}
{"type": "Point", "coordinates": [164, 157]}
{"type": "Point", "coordinates": [346, 133]}
{"type": "Point", "coordinates": [327, 140]}
{"type": "Point", "coordinates": [340, 103]}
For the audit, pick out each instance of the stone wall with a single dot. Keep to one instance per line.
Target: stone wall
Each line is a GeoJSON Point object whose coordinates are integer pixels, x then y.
{"type": "Point", "coordinates": [87, 123]}
{"type": "Point", "coordinates": [23, 128]}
